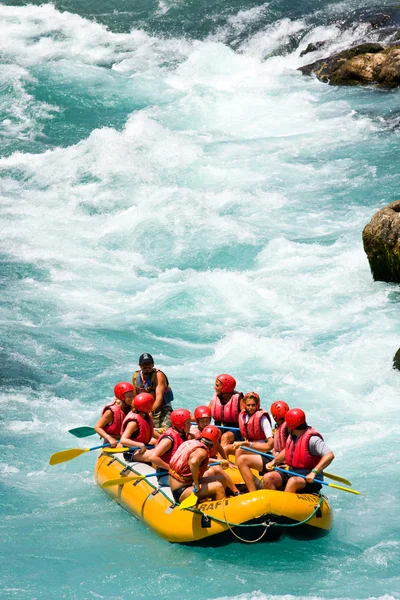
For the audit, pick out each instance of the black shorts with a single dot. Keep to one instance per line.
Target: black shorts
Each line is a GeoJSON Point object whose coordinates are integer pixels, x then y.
{"type": "Point", "coordinates": [310, 488]}
{"type": "Point", "coordinates": [265, 461]}
{"type": "Point", "coordinates": [178, 493]}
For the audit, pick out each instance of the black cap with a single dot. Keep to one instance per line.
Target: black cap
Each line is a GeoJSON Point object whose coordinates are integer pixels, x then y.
{"type": "Point", "coordinates": [145, 358]}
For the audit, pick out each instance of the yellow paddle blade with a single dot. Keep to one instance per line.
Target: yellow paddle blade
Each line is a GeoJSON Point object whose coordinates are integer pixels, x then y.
{"type": "Point", "coordinates": [121, 480]}
{"type": "Point", "coordinates": [337, 478]}
{"type": "Point", "coordinates": [188, 502]}
{"type": "Point", "coordinates": [115, 450]}
{"type": "Point", "coordinates": [65, 455]}
{"type": "Point", "coordinates": [339, 487]}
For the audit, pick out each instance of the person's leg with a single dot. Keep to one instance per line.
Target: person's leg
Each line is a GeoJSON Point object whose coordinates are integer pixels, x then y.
{"type": "Point", "coordinates": [245, 462]}
{"type": "Point", "coordinates": [209, 488]}
{"type": "Point", "coordinates": [227, 438]}
{"type": "Point", "coordinates": [165, 416]}
{"type": "Point", "coordinates": [272, 481]}
{"type": "Point", "coordinates": [218, 473]}
{"type": "Point", "coordinates": [295, 485]}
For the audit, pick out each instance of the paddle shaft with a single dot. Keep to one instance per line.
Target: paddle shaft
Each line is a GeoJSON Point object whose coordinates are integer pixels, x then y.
{"type": "Point", "coordinates": [329, 475]}
{"type": "Point", "coordinates": [332, 485]}
{"type": "Point", "coordinates": [221, 426]}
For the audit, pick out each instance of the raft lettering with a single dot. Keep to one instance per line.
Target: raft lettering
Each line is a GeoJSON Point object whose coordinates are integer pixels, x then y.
{"type": "Point", "coordinates": [212, 505]}
{"type": "Point", "coordinates": [307, 498]}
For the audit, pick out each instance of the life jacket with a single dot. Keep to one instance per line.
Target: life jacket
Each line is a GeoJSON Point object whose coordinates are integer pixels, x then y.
{"type": "Point", "coordinates": [177, 440]}
{"type": "Point", "coordinates": [118, 416]}
{"type": "Point", "coordinates": [228, 413]}
{"type": "Point", "coordinates": [280, 437]}
{"type": "Point", "coordinates": [179, 467]}
{"type": "Point", "coordinates": [145, 427]}
{"type": "Point", "coordinates": [150, 385]}
{"type": "Point", "coordinates": [252, 430]}
{"type": "Point", "coordinates": [298, 455]}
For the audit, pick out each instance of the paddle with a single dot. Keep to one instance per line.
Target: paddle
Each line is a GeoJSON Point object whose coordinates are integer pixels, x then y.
{"type": "Point", "coordinates": [332, 485]}
{"type": "Point", "coordinates": [66, 455]}
{"type": "Point", "coordinates": [123, 480]}
{"type": "Point", "coordinates": [124, 449]}
{"type": "Point", "coordinates": [221, 426]}
{"type": "Point", "coordinates": [81, 432]}
{"type": "Point", "coordinates": [329, 475]}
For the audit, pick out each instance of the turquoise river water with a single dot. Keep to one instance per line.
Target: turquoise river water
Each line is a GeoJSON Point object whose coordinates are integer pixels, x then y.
{"type": "Point", "coordinates": [171, 183]}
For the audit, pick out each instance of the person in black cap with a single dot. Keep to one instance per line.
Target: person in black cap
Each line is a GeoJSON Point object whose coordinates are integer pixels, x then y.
{"type": "Point", "coordinates": [155, 382]}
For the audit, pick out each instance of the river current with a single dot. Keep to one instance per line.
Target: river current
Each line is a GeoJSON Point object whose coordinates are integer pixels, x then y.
{"type": "Point", "coordinates": [171, 183]}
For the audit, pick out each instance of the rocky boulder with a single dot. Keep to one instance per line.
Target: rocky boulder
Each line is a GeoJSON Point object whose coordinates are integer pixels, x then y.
{"type": "Point", "coordinates": [365, 64]}
{"type": "Point", "coordinates": [381, 239]}
{"type": "Point", "coordinates": [396, 360]}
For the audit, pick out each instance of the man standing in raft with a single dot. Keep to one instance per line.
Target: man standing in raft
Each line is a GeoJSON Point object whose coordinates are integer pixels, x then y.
{"type": "Point", "coordinates": [305, 452]}
{"type": "Point", "coordinates": [189, 464]}
{"type": "Point", "coordinates": [109, 425]}
{"type": "Point", "coordinates": [225, 406]}
{"type": "Point", "coordinates": [155, 382]}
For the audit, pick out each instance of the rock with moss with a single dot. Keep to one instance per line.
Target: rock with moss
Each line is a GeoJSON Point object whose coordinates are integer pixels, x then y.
{"type": "Point", "coordinates": [381, 239]}
{"type": "Point", "coordinates": [365, 64]}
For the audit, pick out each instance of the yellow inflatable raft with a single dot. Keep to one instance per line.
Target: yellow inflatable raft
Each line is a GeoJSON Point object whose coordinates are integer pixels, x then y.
{"type": "Point", "coordinates": [263, 514]}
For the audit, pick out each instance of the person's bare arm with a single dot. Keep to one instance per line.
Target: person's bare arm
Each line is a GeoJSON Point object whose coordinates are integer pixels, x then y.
{"type": "Point", "coordinates": [105, 419]}
{"type": "Point", "coordinates": [160, 390]}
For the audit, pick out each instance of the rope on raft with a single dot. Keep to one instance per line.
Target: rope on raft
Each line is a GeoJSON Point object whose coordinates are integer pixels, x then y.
{"type": "Point", "coordinates": [266, 525]}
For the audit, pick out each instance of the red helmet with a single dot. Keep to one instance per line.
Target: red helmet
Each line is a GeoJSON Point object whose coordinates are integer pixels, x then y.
{"type": "Point", "coordinates": [122, 387]}
{"type": "Point", "coordinates": [295, 417]}
{"type": "Point", "coordinates": [228, 383]}
{"type": "Point", "coordinates": [253, 395]}
{"type": "Point", "coordinates": [179, 416]}
{"type": "Point", "coordinates": [202, 412]}
{"type": "Point", "coordinates": [279, 409]}
{"type": "Point", "coordinates": [211, 433]}
{"type": "Point", "coordinates": [143, 402]}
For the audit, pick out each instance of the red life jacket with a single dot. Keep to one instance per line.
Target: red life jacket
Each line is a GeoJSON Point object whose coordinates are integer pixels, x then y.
{"type": "Point", "coordinates": [145, 426]}
{"type": "Point", "coordinates": [298, 455]}
{"type": "Point", "coordinates": [252, 430]}
{"type": "Point", "coordinates": [280, 437]}
{"type": "Point", "coordinates": [118, 416]}
{"type": "Point", "coordinates": [176, 442]}
{"type": "Point", "coordinates": [179, 467]}
{"type": "Point", "coordinates": [228, 413]}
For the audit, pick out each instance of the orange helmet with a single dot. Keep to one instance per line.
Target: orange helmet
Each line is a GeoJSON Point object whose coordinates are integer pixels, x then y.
{"type": "Point", "coordinates": [279, 409]}
{"type": "Point", "coordinates": [294, 418]}
{"type": "Point", "coordinates": [211, 433]}
{"type": "Point", "coordinates": [202, 412]}
{"type": "Point", "coordinates": [121, 388]}
{"type": "Point", "coordinates": [228, 383]}
{"type": "Point", "coordinates": [143, 402]}
{"type": "Point", "coordinates": [179, 416]}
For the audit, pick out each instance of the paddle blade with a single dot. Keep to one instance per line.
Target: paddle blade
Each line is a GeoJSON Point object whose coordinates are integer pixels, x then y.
{"type": "Point", "coordinates": [81, 432]}
{"type": "Point", "coordinates": [115, 450]}
{"type": "Point", "coordinates": [339, 487]}
{"type": "Point", "coordinates": [121, 481]}
{"type": "Point", "coordinates": [188, 502]}
{"type": "Point", "coordinates": [66, 455]}
{"type": "Point", "coordinates": [337, 478]}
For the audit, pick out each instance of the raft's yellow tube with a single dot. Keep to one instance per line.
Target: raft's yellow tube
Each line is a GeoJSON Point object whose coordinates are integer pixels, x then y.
{"type": "Point", "coordinates": [174, 525]}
